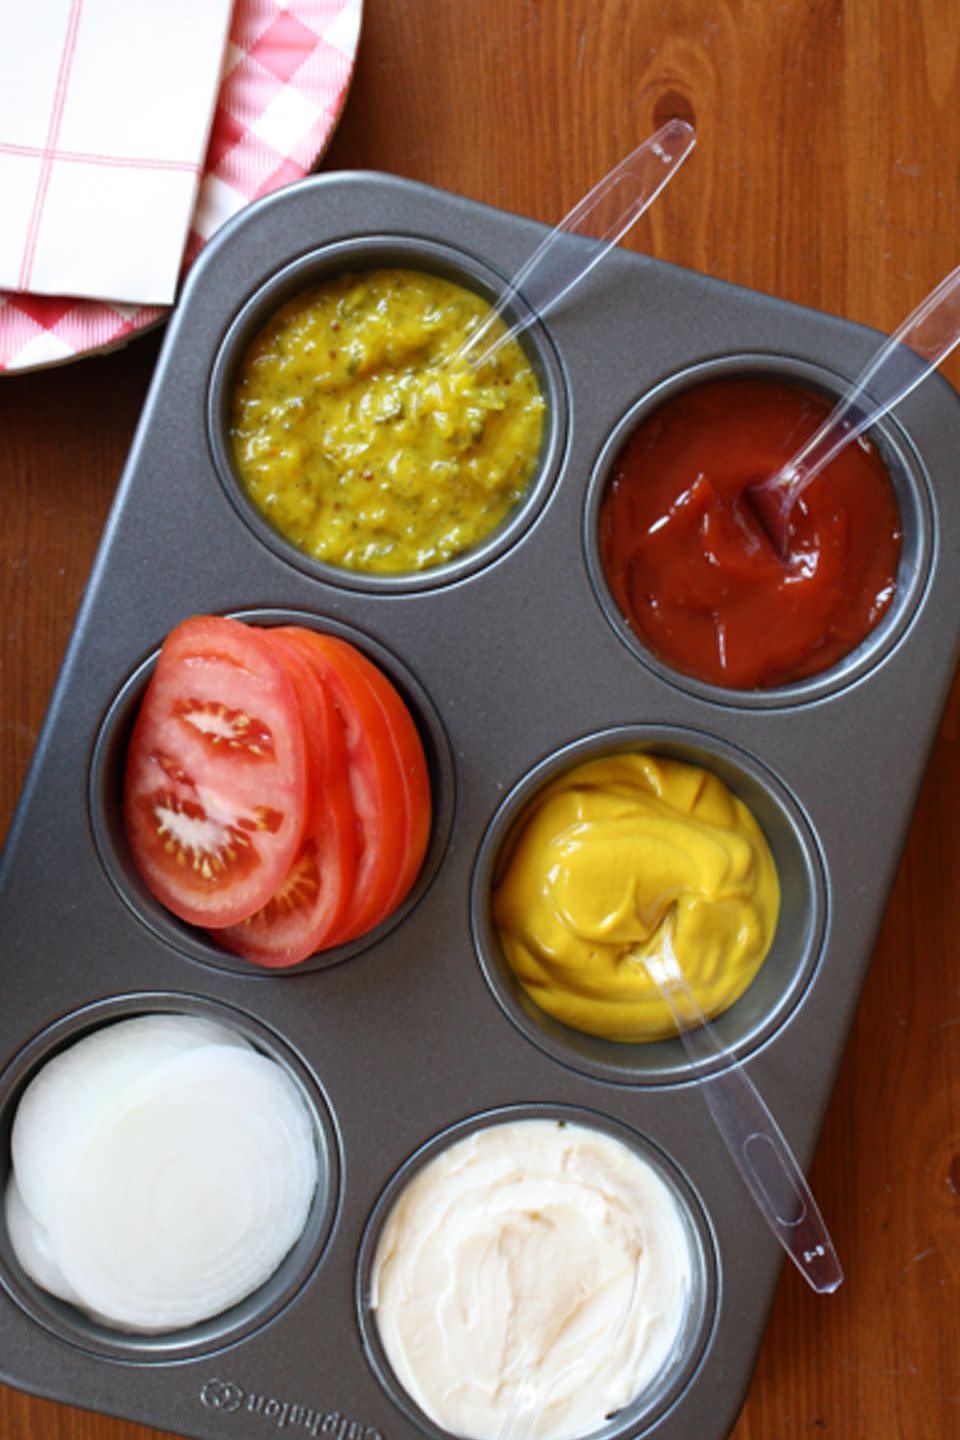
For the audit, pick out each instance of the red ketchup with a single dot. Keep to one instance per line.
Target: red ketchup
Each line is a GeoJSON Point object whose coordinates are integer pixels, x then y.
{"type": "Point", "coordinates": [691, 566]}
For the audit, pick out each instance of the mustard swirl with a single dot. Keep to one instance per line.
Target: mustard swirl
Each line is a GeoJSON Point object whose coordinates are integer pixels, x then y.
{"type": "Point", "coordinates": [600, 860]}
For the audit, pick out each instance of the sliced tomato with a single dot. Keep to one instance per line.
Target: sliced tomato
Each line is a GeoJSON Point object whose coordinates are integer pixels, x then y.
{"type": "Point", "coordinates": [313, 896]}
{"type": "Point", "coordinates": [388, 775]}
{"type": "Point", "coordinates": [412, 763]}
{"type": "Point", "coordinates": [416, 779]}
{"type": "Point", "coordinates": [215, 791]}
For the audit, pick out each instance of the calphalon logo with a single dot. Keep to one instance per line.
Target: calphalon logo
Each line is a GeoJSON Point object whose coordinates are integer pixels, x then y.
{"type": "Point", "coordinates": [228, 1398]}
{"type": "Point", "coordinates": [222, 1395]}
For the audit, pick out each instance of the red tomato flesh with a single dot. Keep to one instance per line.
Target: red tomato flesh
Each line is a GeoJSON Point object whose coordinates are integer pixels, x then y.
{"type": "Point", "coordinates": [313, 896]}
{"type": "Point", "coordinates": [388, 778]}
{"type": "Point", "coordinates": [215, 789]}
{"type": "Point", "coordinates": [410, 759]}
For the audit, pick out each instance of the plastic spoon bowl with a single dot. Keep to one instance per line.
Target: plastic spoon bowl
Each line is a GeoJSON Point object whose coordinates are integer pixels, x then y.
{"type": "Point", "coordinates": [922, 342]}
{"type": "Point", "coordinates": [602, 218]}
{"type": "Point", "coordinates": [749, 1131]}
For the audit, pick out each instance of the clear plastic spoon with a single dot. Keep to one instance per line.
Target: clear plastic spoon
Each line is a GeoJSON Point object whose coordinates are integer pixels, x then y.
{"type": "Point", "coordinates": [756, 1145]}
{"type": "Point", "coordinates": [601, 218]}
{"type": "Point", "coordinates": [921, 343]}
{"type": "Point", "coordinates": [750, 1133]}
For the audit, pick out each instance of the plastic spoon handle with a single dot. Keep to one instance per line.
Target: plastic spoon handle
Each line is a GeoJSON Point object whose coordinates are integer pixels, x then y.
{"type": "Point", "coordinates": [603, 216]}
{"type": "Point", "coordinates": [921, 343]}
{"type": "Point", "coordinates": [749, 1131]}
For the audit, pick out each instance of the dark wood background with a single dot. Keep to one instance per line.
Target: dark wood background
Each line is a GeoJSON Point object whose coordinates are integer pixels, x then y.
{"type": "Point", "coordinates": [826, 173]}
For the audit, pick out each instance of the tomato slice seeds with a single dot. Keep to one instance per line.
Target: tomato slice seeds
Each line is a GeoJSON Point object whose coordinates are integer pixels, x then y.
{"type": "Point", "coordinates": [299, 919]}
{"type": "Point", "coordinates": [215, 786]}
{"type": "Point", "coordinates": [276, 790]}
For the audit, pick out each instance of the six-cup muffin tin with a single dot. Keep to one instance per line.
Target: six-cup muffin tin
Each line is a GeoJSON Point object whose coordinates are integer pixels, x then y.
{"type": "Point", "coordinates": [515, 663]}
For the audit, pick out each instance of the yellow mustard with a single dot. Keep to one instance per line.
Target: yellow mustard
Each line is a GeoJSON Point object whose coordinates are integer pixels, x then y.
{"type": "Point", "coordinates": [361, 445]}
{"type": "Point", "coordinates": [602, 858]}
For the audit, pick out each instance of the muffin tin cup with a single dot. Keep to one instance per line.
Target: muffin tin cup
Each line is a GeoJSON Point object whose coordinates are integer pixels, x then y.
{"type": "Point", "coordinates": [513, 669]}
{"type": "Point", "coordinates": [367, 253]}
{"type": "Point", "coordinates": [698, 1321]}
{"type": "Point", "coordinates": [106, 807]}
{"type": "Point", "coordinates": [778, 987]}
{"type": "Point", "coordinates": [911, 488]}
{"type": "Point", "coordinates": [74, 1327]}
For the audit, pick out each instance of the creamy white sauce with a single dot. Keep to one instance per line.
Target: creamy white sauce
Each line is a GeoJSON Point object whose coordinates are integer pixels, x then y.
{"type": "Point", "coordinates": [531, 1280]}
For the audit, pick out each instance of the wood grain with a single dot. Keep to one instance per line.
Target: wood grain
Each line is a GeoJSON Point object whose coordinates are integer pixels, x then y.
{"type": "Point", "coordinates": [826, 173]}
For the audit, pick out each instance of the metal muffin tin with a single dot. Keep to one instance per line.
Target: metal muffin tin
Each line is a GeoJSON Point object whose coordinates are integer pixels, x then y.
{"type": "Point", "coordinates": [513, 664]}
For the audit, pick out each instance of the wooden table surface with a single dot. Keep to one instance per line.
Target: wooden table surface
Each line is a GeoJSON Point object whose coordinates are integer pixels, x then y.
{"type": "Point", "coordinates": [826, 173]}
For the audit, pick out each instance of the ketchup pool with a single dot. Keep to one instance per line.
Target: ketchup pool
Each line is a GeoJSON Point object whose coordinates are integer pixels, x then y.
{"type": "Point", "coordinates": [691, 567]}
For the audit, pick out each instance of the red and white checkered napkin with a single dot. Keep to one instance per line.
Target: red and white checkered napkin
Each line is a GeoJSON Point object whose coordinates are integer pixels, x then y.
{"type": "Point", "coordinates": [285, 77]}
{"type": "Point", "coordinates": [105, 109]}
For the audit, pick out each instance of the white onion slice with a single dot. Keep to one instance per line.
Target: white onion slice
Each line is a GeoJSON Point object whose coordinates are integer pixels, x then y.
{"type": "Point", "coordinates": [31, 1245]}
{"type": "Point", "coordinates": [78, 1089]}
{"type": "Point", "coordinates": [190, 1192]}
